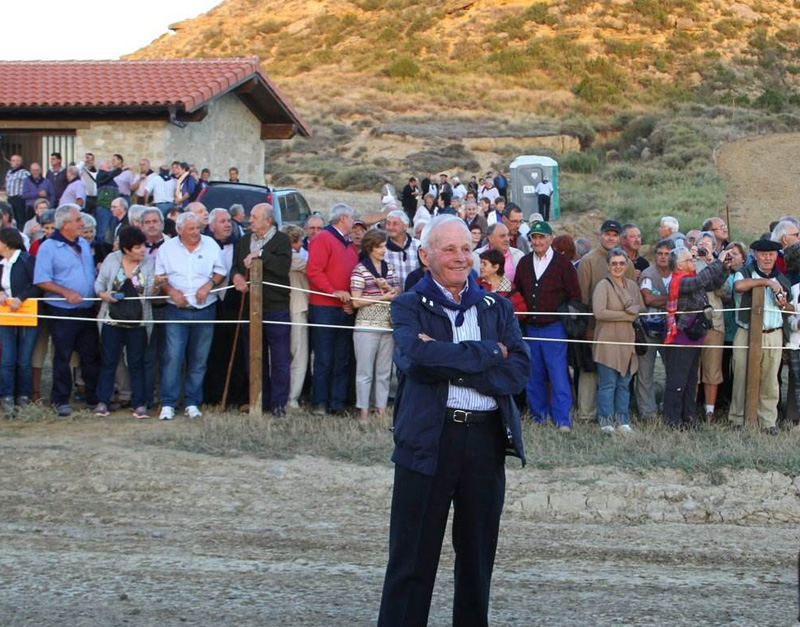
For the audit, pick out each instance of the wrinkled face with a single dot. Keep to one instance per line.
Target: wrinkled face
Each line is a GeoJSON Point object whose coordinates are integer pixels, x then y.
{"type": "Point", "coordinates": [685, 262]}
{"type": "Point", "coordinates": [790, 237]}
{"type": "Point", "coordinates": [190, 232]}
{"type": "Point", "coordinates": [15, 161]}
{"type": "Point", "coordinates": [616, 266]}
{"type": "Point", "coordinates": [720, 230]}
{"type": "Point", "coordinates": [499, 239]}
{"type": "Point", "coordinates": [428, 202]}
{"type": "Point", "coordinates": [488, 269]}
{"type": "Point", "coordinates": [395, 227]}
{"type": "Point", "coordinates": [222, 226]}
{"type": "Point", "coordinates": [88, 233]}
{"type": "Point", "coordinates": [345, 224]}
{"type": "Point", "coordinates": [449, 255]}
{"type": "Point", "coordinates": [117, 209]}
{"type": "Point", "coordinates": [358, 234]}
{"type": "Point", "coordinates": [72, 227]}
{"type": "Point", "coordinates": [766, 259]}
{"type": "Point", "coordinates": [513, 222]}
{"type": "Point", "coordinates": [540, 243]}
{"type": "Point", "coordinates": [152, 226]}
{"type": "Point", "coordinates": [471, 210]}
{"type": "Point", "coordinates": [201, 213]}
{"type": "Point", "coordinates": [662, 258]}
{"type": "Point", "coordinates": [35, 170]}
{"type": "Point", "coordinates": [706, 244]}
{"type": "Point", "coordinates": [664, 231]}
{"type": "Point", "coordinates": [632, 239]}
{"type": "Point", "coordinates": [609, 239]}
{"type": "Point", "coordinates": [313, 227]}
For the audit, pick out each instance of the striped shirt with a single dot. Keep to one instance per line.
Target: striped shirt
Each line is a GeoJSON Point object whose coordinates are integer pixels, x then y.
{"type": "Point", "coordinates": [462, 397]}
{"type": "Point", "coordinates": [403, 267]}
{"type": "Point", "coordinates": [14, 181]}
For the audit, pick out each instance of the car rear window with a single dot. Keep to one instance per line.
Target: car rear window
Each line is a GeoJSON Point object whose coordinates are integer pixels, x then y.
{"type": "Point", "coordinates": [224, 196]}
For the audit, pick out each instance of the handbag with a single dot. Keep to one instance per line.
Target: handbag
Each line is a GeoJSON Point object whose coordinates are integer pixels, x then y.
{"type": "Point", "coordinates": [127, 312]}
{"type": "Point", "coordinates": [641, 337]}
{"type": "Point", "coordinates": [699, 325]}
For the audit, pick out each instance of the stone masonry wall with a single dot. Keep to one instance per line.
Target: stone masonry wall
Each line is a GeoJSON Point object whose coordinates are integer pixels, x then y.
{"type": "Point", "coordinates": [133, 140]}
{"type": "Point", "coordinates": [230, 135]}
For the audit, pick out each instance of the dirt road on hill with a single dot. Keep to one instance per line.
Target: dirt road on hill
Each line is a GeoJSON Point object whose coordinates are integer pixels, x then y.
{"type": "Point", "coordinates": [762, 177]}
{"type": "Point", "coordinates": [99, 529]}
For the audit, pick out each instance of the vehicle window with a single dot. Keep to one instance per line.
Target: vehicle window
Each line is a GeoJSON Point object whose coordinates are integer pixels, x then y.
{"type": "Point", "coordinates": [292, 211]}
{"type": "Point", "coordinates": [305, 211]}
{"type": "Point", "coordinates": [224, 197]}
{"type": "Point", "coordinates": [282, 203]}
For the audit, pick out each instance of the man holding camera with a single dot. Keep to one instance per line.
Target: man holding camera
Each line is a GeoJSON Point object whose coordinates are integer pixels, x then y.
{"type": "Point", "coordinates": [760, 273]}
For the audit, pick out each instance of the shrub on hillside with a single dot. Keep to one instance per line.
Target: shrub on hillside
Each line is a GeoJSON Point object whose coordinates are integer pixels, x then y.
{"type": "Point", "coordinates": [537, 13]}
{"type": "Point", "coordinates": [582, 162]}
{"type": "Point", "coordinates": [442, 158]}
{"type": "Point", "coordinates": [577, 126]}
{"type": "Point", "coordinates": [403, 67]}
{"type": "Point", "coordinates": [356, 179]}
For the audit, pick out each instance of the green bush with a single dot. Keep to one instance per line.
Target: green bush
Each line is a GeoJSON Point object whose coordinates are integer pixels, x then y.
{"type": "Point", "coordinates": [730, 27]}
{"type": "Point", "coordinates": [403, 67]}
{"type": "Point", "coordinates": [357, 179]}
{"type": "Point", "coordinates": [510, 61]}
{"type": "Point", "coordinates": [537, 13]}
{"type": "Point", "coordinates": [576, 125]}
{"type": "Point", "coordinates": [597, 91]}
{"type": "Point", "coordinates": [638, 128]}
{"type": "Point", "coordinates": [583, 162]}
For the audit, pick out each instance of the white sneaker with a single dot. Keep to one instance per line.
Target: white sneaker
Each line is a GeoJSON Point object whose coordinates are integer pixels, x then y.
{"type": "Point", "coordinates": [626, 428]}
{"type": "Point", "coordinates": [293, 405]}
{"type": "Point", "coordinates": [167, 413]}
{"type": "Point", "coordinates": [607, 429]}
{"type": "Point", "coordinates": [192, 411]}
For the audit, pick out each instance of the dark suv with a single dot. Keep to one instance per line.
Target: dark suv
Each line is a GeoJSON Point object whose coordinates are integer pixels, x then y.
{"type": "Point", "coordinates": [290, 206]}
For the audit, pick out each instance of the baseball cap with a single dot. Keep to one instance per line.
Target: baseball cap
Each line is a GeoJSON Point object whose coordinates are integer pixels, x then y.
{"type": "Point", "coordinates": [611, 225]}
{"type": "Point", "coordinates": [540, 228]}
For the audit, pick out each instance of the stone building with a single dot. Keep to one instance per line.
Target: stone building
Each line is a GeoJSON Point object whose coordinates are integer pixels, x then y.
{"type": "Point", "coordinates": [213, 113]}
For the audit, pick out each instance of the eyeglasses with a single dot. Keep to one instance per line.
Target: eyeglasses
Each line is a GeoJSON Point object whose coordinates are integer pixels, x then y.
{"type": "Point", "coordinates": [720, 227]}
{"type": "Point", "coordinates": [615, 264]}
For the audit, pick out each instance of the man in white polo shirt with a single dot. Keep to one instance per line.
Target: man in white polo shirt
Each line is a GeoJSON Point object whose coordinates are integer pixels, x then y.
{"type": "Point", "coordinates": [189, 266]}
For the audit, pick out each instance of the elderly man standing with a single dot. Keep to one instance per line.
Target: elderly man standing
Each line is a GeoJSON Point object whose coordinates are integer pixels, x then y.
{"type": "Point", "coordinates": [331, 259]}
{"type": "Point", "coordinates": [34, 187]}
{"type": "Point", "coordinates": [718, 227]}
{"type": "Point", "coordinates": [15, 178]}
{"type": "Point", "coordinates": [153, 229]}
{"type": "Point", "coordinates": [498, 239]}
{"type": "Point", "coordinates": [314, 224]}
{"type": "Point", "coordinates": [190, 266]}
{"type": "Point", "coordinates": [65, 269]}
{"type": "Point", "coordinates": [547, 280]}
{"type": "Point", "coordinates": [401, 248]}
{"type": "Point", "coordinates": [266, 242]}
{"type": "Point", "coordinates": [785, 233]}
{"type": "Point", "coordinates": [669, 228]}
{"type": "Point", "coordinates": [760, 273]}
{"type": "Point", "coordinates": [75, 191]}
{"type": "Point", "coordinates": [592, 269]}
{"type": "Point", "coordinates": [461, 358]}
{"type": "Point", "coordinates": [631, 242]}
{"type": "Point", "coordinates": [119, 209]}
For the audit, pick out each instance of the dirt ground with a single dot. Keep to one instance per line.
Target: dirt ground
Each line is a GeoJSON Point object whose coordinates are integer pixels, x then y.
{"type": "Point", "coordinates": [99, 528]}
{"type": "Point", "coordinates": [762, 179]}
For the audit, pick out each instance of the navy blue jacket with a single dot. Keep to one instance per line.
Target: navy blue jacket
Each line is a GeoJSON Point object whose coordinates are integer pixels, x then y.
{"type": "Point", "coordinates": [425, 370]}
{"type": "Point", "coordinates": [22, 285]}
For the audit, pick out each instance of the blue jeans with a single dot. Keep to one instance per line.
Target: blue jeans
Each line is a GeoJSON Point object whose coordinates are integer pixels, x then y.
{"type": "Point", "coordinates": [112, 339]}
{"type": "Point", "coordinates": [549, 363]}
{"type": "Point", "coordinates": [153, 356]}
{"type": "Point", "coordinates": [613, 396]}
{"type": "Point", "coordinates": [164, 207]}
{"type": "Point", "coordinates": [332, 351]}
{"type": "Point", "coordinates": [190, 341]}
{"type": "Point", "coordinates": [15, 363]}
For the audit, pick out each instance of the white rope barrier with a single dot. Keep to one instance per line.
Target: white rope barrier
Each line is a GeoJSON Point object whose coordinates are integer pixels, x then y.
{"type": "Point", "coordinates": [95, 299]}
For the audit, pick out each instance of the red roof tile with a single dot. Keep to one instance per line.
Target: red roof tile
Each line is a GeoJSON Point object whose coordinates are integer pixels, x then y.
{"type": "Point", "coordinates": [184, 83]}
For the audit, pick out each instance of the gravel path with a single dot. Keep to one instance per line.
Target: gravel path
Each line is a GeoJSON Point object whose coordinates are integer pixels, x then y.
{"type": "Point", "coordinates": [97, 528]}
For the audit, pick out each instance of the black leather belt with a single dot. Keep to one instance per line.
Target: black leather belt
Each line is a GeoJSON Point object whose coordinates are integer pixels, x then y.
{"type": "Point", "coordinates": [468, 417]}
{"type": "Point", "coordinates": [772, 330]}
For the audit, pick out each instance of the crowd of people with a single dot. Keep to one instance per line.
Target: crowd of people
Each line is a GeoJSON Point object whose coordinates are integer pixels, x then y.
{"type": "Point", "coordinates": [133, 264]}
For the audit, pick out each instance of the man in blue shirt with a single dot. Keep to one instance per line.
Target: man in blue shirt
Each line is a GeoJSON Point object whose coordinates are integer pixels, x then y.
{"type": "Point", "coordinates": [65, 270]}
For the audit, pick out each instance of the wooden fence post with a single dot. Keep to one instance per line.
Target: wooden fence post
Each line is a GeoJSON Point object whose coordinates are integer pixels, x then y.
{"type": "Point", "coordinates": [754, 351]}
{"type": "Point", "coordinates": [256, 330]}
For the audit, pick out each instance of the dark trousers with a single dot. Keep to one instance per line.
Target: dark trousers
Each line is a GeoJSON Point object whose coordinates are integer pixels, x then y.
{"type": "Point", "coordinates": [221, 349]}
{"type": "Point", "coordinates": [68, 336]}
{"type": "Point", "coordinates": [680, 390]}
{"type": "Point", "coordinates": [471, 475]}
{"type": "Point", "coordinates": [20, 210]}
{"type": "Point", "coordinates": [276, 360]}
{"type": "Point", "coordinates": [544, 206]}
{"type": "Point", "coordinates": [332, 356]}
{"type": "Point", "coordinates": [112, 339]}
{"type": "Point", "coordinates": [153, 356]}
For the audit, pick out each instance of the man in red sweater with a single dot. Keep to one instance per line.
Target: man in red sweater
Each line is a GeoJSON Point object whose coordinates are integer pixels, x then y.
{"type": "Point", "coordinates": [331, 259]}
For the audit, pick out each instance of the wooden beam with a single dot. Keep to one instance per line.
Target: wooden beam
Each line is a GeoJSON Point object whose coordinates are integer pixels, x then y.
{"type": "Point", "coordinates": [256, 331]}
{"type": "Point", "coordinates": [194, 116]}
{"type": "Point", "coordinates": [754, 352]}
{"type": "Point", "coordinates": [278, 131]}
{"type": "Point", "coordinates": [44, 125]}
{"type": "Point", "coordinates": [247, 86]}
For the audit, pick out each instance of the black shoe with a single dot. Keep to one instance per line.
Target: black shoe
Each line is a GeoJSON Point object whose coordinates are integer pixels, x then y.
{"type": "Point", "coordinates": [279, 412]}
{"type": "Point", "coordinates": [772, 431]}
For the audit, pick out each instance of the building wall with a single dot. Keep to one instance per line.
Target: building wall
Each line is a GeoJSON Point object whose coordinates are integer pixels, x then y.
{"type": "Point", "coordinates": [230, 135]}
{"type": "Point", "coordinates": [133, 140]}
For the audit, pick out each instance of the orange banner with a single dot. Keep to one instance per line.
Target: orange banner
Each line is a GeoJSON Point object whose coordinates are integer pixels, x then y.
{"type": "Point", "coordinates": [25, 316]}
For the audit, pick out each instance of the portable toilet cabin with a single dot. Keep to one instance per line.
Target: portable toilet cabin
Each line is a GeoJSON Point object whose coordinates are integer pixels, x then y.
{"type": "Point", "coordinates": [526, 173]}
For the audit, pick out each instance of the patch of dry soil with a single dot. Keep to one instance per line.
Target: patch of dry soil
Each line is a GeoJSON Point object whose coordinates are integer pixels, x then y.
{"type": "Point", "coordinates": [98, 529]}
{"type": "Point", "coordinates": [762, 177]}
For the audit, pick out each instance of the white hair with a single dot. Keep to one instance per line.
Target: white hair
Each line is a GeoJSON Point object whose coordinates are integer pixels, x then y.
{"type": "Point", "coordinates": [135, 213]}
{"type": "Point", "coordinates": [338, 211]}
{"type": "Point", "coordinates": [155, 211]}
{"type": "Point", "coordinates": [122, 200]}
{"type": "Point", "coordinates": [236, 209]}
{"type": "Point", "coordinates": [781, 229]}
{"type": "Point", "coordinates": [89, 221]}
{"type": "Point", "coordinates": [536, 217]}
{"type": "Point", "coordinates": [437, 223]}
{"type": "Point", "coordinates": [400, 215]}
{"type": "Point", "coordinates": [670, 223]}
{"type": "Point", "coordinates": [63, 212]}
{"type": "Point", "coordinates": [212, 217]}
{"type": "Point", "coordinates": [183, 218]}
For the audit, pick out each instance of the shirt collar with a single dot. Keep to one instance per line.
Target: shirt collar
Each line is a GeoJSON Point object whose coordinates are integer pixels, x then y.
{"type": "Point", "coordinates": [447, 294]}
{"type": "Point", "coordinates": [548, 254]}
{"type": "Point", "coordinates": [12, 260]}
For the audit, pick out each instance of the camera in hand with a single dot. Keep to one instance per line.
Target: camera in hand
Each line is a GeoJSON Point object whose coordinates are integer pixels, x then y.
{"type": "Point", "coordinates": [702, 252]}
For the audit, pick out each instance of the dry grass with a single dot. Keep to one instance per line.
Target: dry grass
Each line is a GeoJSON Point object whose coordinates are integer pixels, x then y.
{"type": "Point", "coordinates": [708, 451]}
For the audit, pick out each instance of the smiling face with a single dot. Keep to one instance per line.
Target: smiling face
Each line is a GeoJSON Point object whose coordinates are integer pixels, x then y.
{"type": "Point", "coordinates": [72, 227]}
{"type": "Point", "coordinates": [499, 239]}
{"type": "Point", "coordinates": [609, 239]}
{"type": "Point", "coordinates": [540, 243]}
{"type": "Point", "coordinates": [616, 266]}
{"type": "Point", "coordinates": [395, 227]}
{"type": "Point", "coordinates": [765, 259]}
{"type": "Point", "coordinates": [189, 232]}
{"type": "Point", "coordinates": [448, 255]}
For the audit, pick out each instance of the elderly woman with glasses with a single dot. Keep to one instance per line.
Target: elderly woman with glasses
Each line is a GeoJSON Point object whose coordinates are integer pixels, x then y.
{"type": "Point", "coordinates": [616, 303]}
{"type": "Point", "coordinates": [686, 331]}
